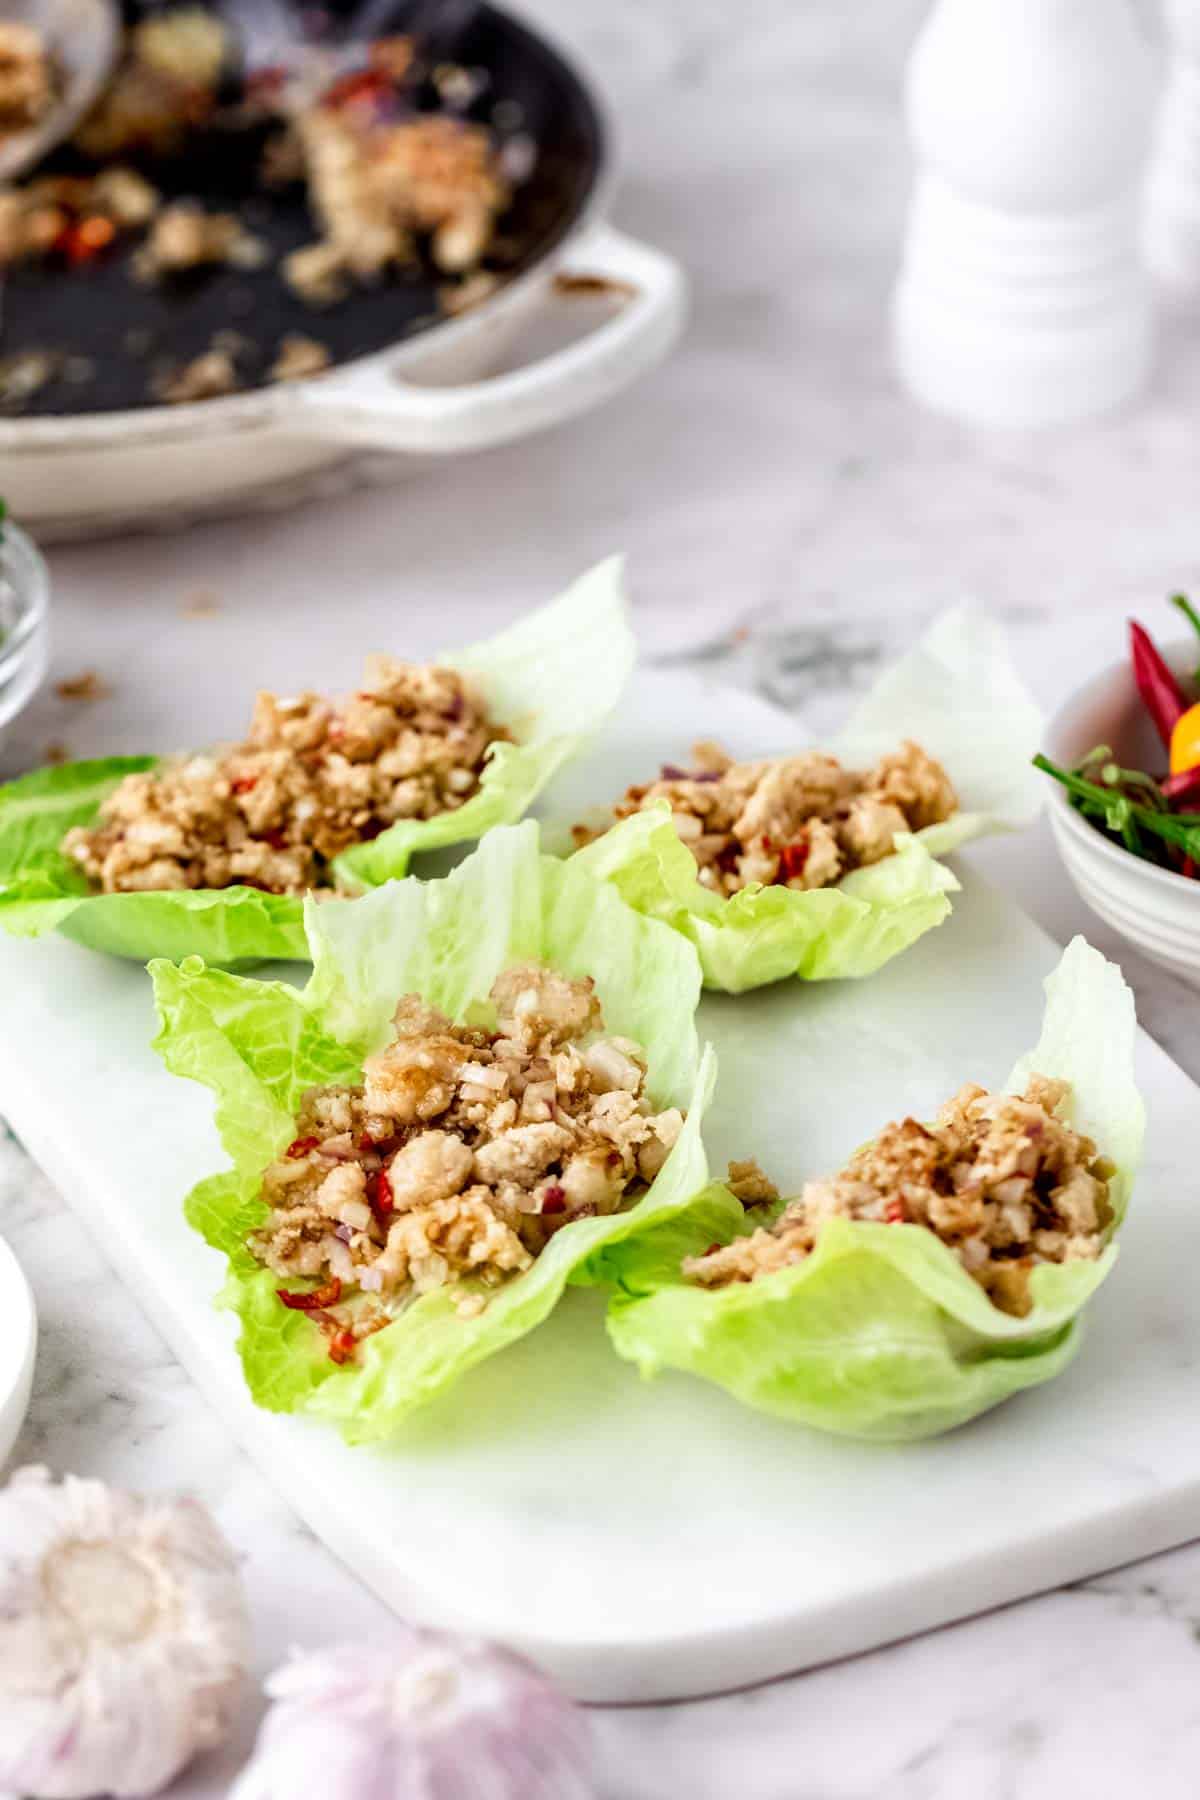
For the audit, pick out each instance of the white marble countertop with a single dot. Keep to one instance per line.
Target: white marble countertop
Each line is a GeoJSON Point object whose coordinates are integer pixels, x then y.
{"type": "Point", "coordinates": [785, 510]}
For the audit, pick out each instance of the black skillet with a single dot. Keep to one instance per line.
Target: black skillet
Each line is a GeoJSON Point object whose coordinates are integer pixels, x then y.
{"type": "Point", "coordinates": [110, 334]}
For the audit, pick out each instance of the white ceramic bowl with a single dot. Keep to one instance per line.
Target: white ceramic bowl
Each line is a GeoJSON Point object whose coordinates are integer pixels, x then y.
{"type": "Point", "coordinates": [18, 1348]}
{"type": "Point", "coordinates": [1155, 909]}
{"type": "Point", "coordinates": [24, 622]}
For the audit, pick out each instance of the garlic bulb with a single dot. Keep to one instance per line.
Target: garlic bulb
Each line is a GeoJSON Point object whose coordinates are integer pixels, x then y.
{"type": "Point", "coordinates": [123, 1637]}
{"type": "Point", "coordinates": [421, 1715]}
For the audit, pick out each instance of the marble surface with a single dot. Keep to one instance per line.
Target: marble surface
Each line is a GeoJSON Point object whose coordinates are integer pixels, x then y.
{"type": "Point", "coordinates": [789, 515]}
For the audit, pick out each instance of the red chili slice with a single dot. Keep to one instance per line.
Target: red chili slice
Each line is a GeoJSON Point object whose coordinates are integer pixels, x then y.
{"type": "Point", "coordinates": [360, 85]}
{"type": "Point", "coordinates": [1181, 789]}
{"type": "Point", "coordinates": [243, 784]}
{"type": "Point", "coordinates": [300, 1147]}
{"type": "Point", "coordinates": [894, 1212]}
{"type": "Point", "coordinates": [341, 1338]}
{"type": "Point", "coordinates": [379, 1194]}
{"type": "Point", "coordinates": [314, 1301]}
{"type": "Point", "coordinates": [554, 1199]}
{"type": "Point", "coordinates": [342, 1347]}
{"type": "Point", "coordinates": [85, 241]}
{"type": "Point", "coordinates": [793, 859]}
{"type": "Point", "coordinates": [1161, 693]}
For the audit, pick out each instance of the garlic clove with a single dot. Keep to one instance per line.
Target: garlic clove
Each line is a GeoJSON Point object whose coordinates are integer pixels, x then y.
{"type": "Point", "coordinates": [123, 1638]}
{"type": "Point", "coordinates": [425, 1716]}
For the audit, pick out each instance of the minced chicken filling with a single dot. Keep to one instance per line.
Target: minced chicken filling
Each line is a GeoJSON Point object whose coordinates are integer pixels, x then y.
{"type": "Point", "coordinates": [460, 1155]}
{"type": "Point", "coordinates": [799, 821]}
{"type": "Point", "coordinates": [1000, 1178]}
{"type": "Point", "coordinates": [379, 188]}
{"type": "Point", "coordinates": [399, 180]}
{"type": "Point", "coordinates": [312, 778]}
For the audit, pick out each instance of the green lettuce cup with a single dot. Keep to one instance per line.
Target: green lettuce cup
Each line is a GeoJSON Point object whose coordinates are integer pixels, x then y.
{"type": "Point", "coordinates": [552, 679]}
{"type": "Point", "coordinates": [880, 1333]}
{"type": "Point", "coordinates": [958, 695]}
{"type": "Point", "coordinates": [260, 1044]}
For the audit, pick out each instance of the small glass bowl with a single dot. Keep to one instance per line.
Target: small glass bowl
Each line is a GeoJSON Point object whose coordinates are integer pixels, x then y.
{"type": "Point", "coordinates": [24, 622]}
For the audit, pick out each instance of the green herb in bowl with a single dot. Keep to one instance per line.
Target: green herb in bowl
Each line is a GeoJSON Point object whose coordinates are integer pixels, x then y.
{"type": "Point", "coordinates": [1153, 815]}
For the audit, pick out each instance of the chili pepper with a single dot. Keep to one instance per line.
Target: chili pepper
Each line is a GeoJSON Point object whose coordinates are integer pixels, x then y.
{"type": "Point", "coordinates": [314, 1301]}
{"type": "Point", "coordinates": [1161, 694]}
{"type": "Point", "coordinates": [379, 1195]}
{"type": "Point", "coordinates": [339, 1338]}
{"type": "Point", "coordinates": [1182, 787]}
{"type": "Point", "coordinates": [792, 859]}
{"type": "Point", "coordinates": [342, 1347]}
{"type": "Point", "coordinates": [85, 240]}
{"type": "Point", "coordinates": [361, 87]}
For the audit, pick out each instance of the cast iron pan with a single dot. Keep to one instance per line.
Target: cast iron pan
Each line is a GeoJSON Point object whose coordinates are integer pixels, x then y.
{"type": "Point", "coordinates": [113, 333]}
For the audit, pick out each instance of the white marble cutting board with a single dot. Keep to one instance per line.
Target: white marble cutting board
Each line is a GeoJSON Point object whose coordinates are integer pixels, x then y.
{"type": "Point", "coordinates": [656, 1541]}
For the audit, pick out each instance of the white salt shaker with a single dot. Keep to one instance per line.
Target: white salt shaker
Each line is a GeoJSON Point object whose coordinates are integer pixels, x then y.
{"type": "Point", "coordinates": [1171, 224]}
{"type": "Point", "coordinates": [1021, 301]}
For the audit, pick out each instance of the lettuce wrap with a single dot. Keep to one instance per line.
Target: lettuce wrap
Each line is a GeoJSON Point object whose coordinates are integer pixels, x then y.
{"type": "Point", "coordinates": [880, 1333]}
{"type": "Point", "coordinates": [551, 679]}
{"type": "Point", "coordinates": [260, 1044]}
{"type": "Point", "coordinates": [957, 694]}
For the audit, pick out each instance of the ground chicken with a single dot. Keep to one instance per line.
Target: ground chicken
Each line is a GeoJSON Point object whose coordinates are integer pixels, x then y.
{"type": "Point", "coordinates": [430, 1171]}
{"type": "Point", "coordinates": [312, 778]}
{"type": "Point", "coordinates": [1000, 1178]}
{"type": "Point", "coordinates": [299, 358]}
{"type": "Point", "coordinates": [380, 188]}
{"type": "Point", "coordinates": [184, 237]}
{"type": "Point", "coordinates": [797, 821]}
{"type": "Point", "coordinates": [749, 1184]}
{"type": "Point", "coordinates": [73, 216]}
{"type": "Point", "coordinates": [391, 186]}
{"type": "Point", "coordinates": [205, 377]}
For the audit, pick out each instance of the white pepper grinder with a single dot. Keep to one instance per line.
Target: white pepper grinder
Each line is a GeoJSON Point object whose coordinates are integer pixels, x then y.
{"type": "Point", "coordinates": [1021, 301]}
{"type": "Point", "coordinates": [1171, 224]}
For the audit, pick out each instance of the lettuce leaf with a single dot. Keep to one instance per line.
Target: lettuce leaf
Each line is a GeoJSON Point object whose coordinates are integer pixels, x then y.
{"type": "Point", "coordinates": [260, 1044]}
{"type": "Point", "coordinates": [881, 1333]}
{"type": "Point", "coordinates": [552, 679]}
{"type": "Point", "coordinates": [764, 934]}
{"type": "Point", "coordinates": [958, 695]}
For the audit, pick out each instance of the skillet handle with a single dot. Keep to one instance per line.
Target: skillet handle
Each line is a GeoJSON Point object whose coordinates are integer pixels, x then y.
{"type": "Point", "coordinates": [379, 411]}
